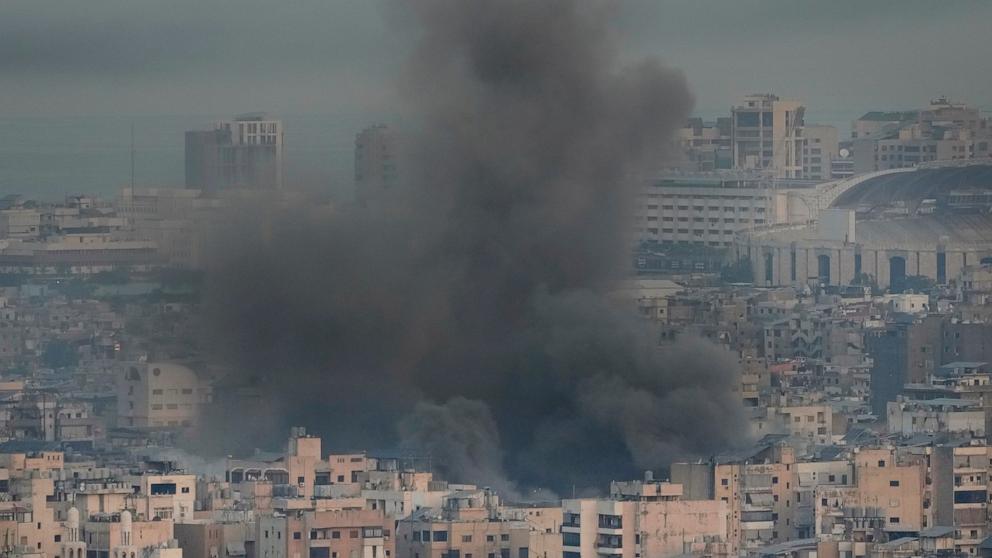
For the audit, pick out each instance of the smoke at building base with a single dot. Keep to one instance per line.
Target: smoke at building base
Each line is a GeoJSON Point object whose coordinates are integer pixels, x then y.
{"type": "Point", "coordinates": [463, 313]}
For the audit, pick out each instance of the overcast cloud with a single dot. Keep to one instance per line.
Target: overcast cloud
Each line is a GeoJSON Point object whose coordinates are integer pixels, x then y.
{"type": "Point", "coordinates": [330, 56]}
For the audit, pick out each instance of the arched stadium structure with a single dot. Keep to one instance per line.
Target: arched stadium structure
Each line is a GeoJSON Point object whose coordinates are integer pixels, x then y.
{"type": "Point", "coordinates": [928, 221]}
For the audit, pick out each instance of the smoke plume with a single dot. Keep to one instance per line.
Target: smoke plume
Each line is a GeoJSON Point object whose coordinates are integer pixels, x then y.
{"type": "Point", "coordinates": [463, 313]}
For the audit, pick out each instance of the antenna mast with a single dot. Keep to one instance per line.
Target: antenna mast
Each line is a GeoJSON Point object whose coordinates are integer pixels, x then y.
{"type": "Point", "coordinates": [132, 156]}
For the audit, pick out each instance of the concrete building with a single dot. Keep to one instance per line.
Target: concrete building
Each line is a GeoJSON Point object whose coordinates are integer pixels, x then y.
{"type": "Point", "coordinates": [886, 496]}
{"type": "Point", "coordinates": [20, 223]}
{"type": "Point", "coordinates": [652, 520]}
{"type": "Point", "coordinates": [705, 146]}
{"type": "Point", "coordinates": [908, 417]}
{"type": "Point", "coordinates": [943, 131]}
{"type": "Point", "coordinates": [708, 210]}
{"type": "Point", "coordinates": [169, 496]}
{"type": "Point", "coordinates": [767, 134]}
{"type": "Point", "coordinates": [376, 161]}
{"type": "Point", "coordinates": [820, 148]}
{"type": "Point", "coordinates": [472, 523]}
{"type": "Point", "coordinates": [241, 154]}
{"type": "Point", "coordinates": [119, 535]}
{"type": "Point", "coordinates": [959, 492]}
{"type": "Point", "coordinates": [324, 534]}
{"type": "Point", "coordinates": [159, 394]}
{"type": "Point", "coordinates": [897, 233]}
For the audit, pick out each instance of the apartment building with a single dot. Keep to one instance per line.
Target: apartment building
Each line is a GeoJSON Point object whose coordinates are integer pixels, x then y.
{"type": "Point", "coordinates": [470, 524]}
{"type": "Point", "coordinates": [324, 534]}
{"type": "Point", "coordinates": [159, 394]}
{"type": "Point", "coordinates": [705, 146]}
{"type": "Point", "coordinates": [705, 211]}
{"type": "Point", "coordinates": [958, 492]}
{"type": "Point", "coordinates": [820, 149]}
{"type": "Point", "coordinates": [170, 496]}
{"type": "Point", "coordinates": [943, 131]}
{"type": "Point", "coordinates": [767, 134]}
{"type": "Point", "coordinates": [886, 496]}
{"type": "Point", "coordinates": [241, 154]}
{"type": "Point", "coordinates": [646, 518]}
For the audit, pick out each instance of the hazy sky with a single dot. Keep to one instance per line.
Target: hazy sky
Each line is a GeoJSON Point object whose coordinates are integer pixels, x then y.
{"type": "Point", "coordinates": [331, 56]}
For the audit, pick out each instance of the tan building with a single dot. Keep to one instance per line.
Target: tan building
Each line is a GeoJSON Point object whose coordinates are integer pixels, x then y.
{"type": "Point", "coordinates": [324, 534]}
{"type": "Point", "coordinates": [159, 394]}
{"type": "Point", "coordinates": [961, 475]}
{"type": "Point", "coordinates": [887, 495]}
{"type": "Point", "coordinates": [812, 422]}
{"type": "Point", "coordinates": [117, 535]}
{"type": "Point", "coordinates": [645, 519]}
{"type": "Point", "coordinates": [706, 211]}
{"type": "Point", "coordinates": [471, 524]}
{"type": "Point", "coordinates": [170, 496]}
{"type": "Point", "coordinates": [820, 148]}
{"type": "Point", "coordinates": [204, 539]}
{"type": "Point", "coordinates": [768, 135]}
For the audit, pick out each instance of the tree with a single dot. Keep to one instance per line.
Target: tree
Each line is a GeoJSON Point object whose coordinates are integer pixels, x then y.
{"type": "Point", "coordinates": [918, 283]}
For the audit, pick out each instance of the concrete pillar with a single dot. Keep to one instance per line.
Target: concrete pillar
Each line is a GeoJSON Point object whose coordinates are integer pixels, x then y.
{"type": "Point", "coordinates": [955, 261]}
{"type": "Point", "coordinates": [846, 262]}
{"type": "Point", "coordinates": [783, 255]}
{"type": "Point", "coordinates": [928, 264]}
{"type": "Point", "coordinates": [811, 265]}
{"type": "Point", "coordinates": [883, 269]}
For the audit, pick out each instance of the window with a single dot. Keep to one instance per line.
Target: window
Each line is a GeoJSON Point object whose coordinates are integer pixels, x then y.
{"type": "Point", "coordinates": [164, 488]}
{"type": "Point", "coordinates": [297, 535]}
{"type": "Point", "coordinates": [724, 482]}
{"type": "Point", "coordinates": [490, 538]}
{"type": "Point", "coordinates": [893, 520]}
{"type": "Point", "coordinates": [440, 536]}
{"type": "Point", "coordinates": [570, 539]}
{"type": "Point", "coordinates": [466, 538]}
{"type": "Point", "coordinates": [335, 534]}
{"type": "Point", "coordinates": [774, 480]}
{"type": "Point", "coordinates": [893, 483]}
{"type": "Point", "coordinates": [881, 463]}
{"type": "Point", "coordinates": [504, 537]}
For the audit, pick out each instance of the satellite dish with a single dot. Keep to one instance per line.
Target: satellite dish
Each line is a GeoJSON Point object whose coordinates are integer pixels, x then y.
{"type": "Point", "coordinates": [844, 153]}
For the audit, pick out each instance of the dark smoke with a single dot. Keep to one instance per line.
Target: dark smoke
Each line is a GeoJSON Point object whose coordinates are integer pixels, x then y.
{"type": "Point", "coordinates": [465, 315]}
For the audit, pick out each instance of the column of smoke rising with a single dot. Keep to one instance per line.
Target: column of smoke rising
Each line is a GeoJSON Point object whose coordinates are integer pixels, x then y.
{"type": "Point", "coordinates": [466, 317]}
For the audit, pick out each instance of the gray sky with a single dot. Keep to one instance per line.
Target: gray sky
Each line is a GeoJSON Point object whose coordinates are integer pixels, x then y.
{"type": "Point", "coordinates": [335, 56]}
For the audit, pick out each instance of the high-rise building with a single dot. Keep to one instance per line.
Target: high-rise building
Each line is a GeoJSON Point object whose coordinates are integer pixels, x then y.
{"type": "Point", "coordinates": [819, 150]}
{"type": "Point", "coordinates": [944, 131]}
{"type": "Point", "coordinates": [767, 134]}
{"type": "Point", "coordinates": [240, 154]}
{"type": "Point", "coordinates": [375, 162]}
{"type": "Point", "coordinates": [704, 146]}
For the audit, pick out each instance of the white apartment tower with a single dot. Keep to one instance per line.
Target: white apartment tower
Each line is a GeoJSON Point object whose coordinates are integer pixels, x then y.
{"type": "Point", "coordinates": [240, 154]}
{"type": "Point", "coordinates": [767, 134]}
